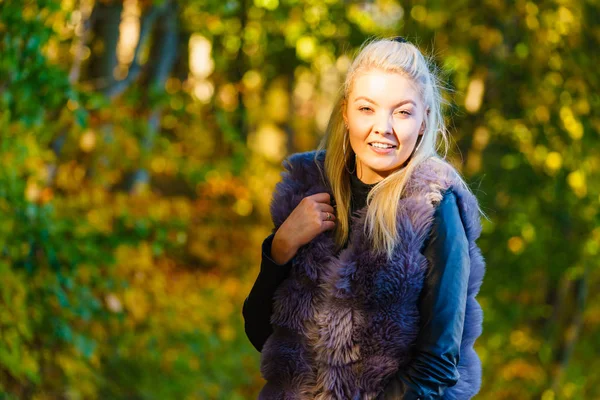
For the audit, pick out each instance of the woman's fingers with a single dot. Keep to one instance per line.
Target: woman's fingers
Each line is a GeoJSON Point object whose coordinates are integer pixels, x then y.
{"type": "Point", "coordinates": [327, 216]}
{"type": "Point", "coordinates": [326, 208]}
{"type": "Point", "coordinates": [328, 225]}
{"type": "Point", "coordinates": [323, 197]}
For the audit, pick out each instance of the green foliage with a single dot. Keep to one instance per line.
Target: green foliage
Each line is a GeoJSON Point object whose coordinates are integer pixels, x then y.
{"type": "Point", "coordinates": [130, 224]}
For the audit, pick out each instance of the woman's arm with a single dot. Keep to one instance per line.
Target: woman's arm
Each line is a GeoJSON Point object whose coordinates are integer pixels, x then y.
{"type": "Point", "coordinates": [258, 306]}
{"type": "Point", "coordinates": [442, 306]}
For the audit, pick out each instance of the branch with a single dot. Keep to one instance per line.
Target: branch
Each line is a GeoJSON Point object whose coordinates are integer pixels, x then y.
{"type": "Point", "coordinates": [75, 70]}
{"type": "Point", "coordinates": [572, 330]}
{"type": "Point", "coordinates": [106, 21]}
{"type": "Point", "coordinates": [147, 23]}
{"type": "Point", "coordinates": [163, 55]}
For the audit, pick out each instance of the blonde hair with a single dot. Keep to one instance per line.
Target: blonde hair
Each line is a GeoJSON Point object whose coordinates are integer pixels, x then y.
{"type": "Point", "coordinates": [380, 224]}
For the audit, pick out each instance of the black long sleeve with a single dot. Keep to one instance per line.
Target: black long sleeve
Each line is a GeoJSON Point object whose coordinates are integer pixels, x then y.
{"type": "Point", "coordinates": [258, 306]}
{"type": "Point", "coordinates": [442, 304]}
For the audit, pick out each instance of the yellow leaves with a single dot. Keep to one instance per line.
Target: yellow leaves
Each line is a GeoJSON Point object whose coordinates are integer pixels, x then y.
{"type": "Point", "coordinates": [163, 165]}
{"type": "Point", "coordinates": [576, 181]}
{"type": "Point", "coordinates": [316, 13]}
{"type": "Point", "coordinates": [571, 124]}
{"type": "Point", "coordinates": [136, 303]}
{"type": "Point", "coordinates": [32, 191]}
{"type": "Point", "coordinates": [582, 106]}
{"type": "Point", "coordinates": [228, 97]}
{"type": "Point", "coordinates": [129, 33]}
{"type": "Point", "coordinates": [200, 60]}
{"type": "Point", "coordinates": [70, 176]}
{"type": "Point", "coordinates": [203, 90]}
{"type": "Point", "coordinates": [87, 141]}
{"type": "Point", "coordinates": [555, 62]}
{"type": "Point", "coordinates": [418, 13]}
{"type": "Point", "coordinates": [542, 114]}
{"type": "Point", "coordinates": [169, 357]}
{"type": "Point", "coordinates": [226, 333]}
{"type": "Point", "coordinates": [521, 369]}
{"type": "Point", "coordinates": [516, 244]}
{"type": "Point", "coordinates": [522, 341]}
{"type": "Point", "coordinates": [277, 101]}
{"type": "Point", "coordinates": [553, 162]}
{"type": "Point", "coordinates": [592, 245]}
{"type": "Point", "coordinates": [306, 47]}
{"type": "Point", "coordinates": [481, 138]}
{"type": "Point", "coordinates": [173, 85]}
{"type": "Point", "coordinates": [294, 28]}
{"type": "Point", "coordinates": [268, 4]}
{"type": "Point", "coordinates": [474, 95]}
{"type": "Point", "coordinates": [243, 207]}
{"type": "Point", "coordinates": [489, 39]}
{"type": "Point", "coordinates": [522, 133]}
{"type": "Point", "coordinates": [328, 29]}
{"type": "Point", "coordinates": [565, 21]}
{"type": "Point", "coordinates": [252, 80]}
{"type": "Point", "coordinates": [528, 232]}
{"type": "Point", "coordinates": [215, 24]}
{"type": "Point", "coordinates": [134, 259]}
{"type": "Point", "coordinates": [79, 371]}
{"type": "Point", "coordinates": [100, 219]}
{"type": "Point", "coordinates": [269, 141]}
{"type": "Point", "coordinates": [548, 395]}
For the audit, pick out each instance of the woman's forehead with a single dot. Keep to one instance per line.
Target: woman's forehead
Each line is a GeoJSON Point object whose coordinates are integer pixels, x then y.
{"type": "Point", "coordinates": [382, 86]}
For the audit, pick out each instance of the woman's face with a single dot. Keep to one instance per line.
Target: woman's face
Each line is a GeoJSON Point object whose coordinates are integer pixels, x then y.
{"type": "Point", "coordinates": [385, 108]}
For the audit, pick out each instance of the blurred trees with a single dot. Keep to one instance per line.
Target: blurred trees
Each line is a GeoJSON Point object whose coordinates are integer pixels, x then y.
{"type": "Point", "coordinates": [140, 142]}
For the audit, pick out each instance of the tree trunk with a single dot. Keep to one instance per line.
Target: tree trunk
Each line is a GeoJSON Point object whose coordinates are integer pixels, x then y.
{"type": "Point", "coordinates": [106, 19]}
{"type": "Point", "coordinates": [163, 55]}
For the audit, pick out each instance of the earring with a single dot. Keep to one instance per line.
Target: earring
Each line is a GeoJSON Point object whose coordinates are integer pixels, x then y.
{"type": "Point", "coordinates": [418, 144]}
{"type": "Point", "coordinates": [346, 158]}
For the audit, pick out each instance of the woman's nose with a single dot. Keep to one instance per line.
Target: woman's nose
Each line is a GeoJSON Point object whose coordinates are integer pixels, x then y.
{"type": "Point", "coordinates": [384, 124]}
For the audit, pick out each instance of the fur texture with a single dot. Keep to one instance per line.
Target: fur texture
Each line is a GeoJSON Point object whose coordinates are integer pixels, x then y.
{"type": "Point", "coordinates": [344, 324]}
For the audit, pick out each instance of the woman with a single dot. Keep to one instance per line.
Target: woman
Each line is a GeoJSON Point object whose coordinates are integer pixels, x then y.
{"type": "Point", "coordinates": [367, 285]}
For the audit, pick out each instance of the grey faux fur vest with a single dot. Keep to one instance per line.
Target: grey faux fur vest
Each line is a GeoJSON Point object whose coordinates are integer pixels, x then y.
{"type": "Point", "coordinates": [343, 325]}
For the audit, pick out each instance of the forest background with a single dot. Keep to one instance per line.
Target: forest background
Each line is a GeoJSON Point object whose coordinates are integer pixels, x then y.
{"type": "Point", "coordinates": [140, 142]}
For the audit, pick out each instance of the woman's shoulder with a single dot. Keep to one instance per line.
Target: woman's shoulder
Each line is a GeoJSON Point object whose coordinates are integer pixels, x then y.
{"type": "Point", "coordinates": [436, 169]}
{"type": "Point", "coordinates": [447, 206]}
{"type": "Point", "coordinates": [304, 159]}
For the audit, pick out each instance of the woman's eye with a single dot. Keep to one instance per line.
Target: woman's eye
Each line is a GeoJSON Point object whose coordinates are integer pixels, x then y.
{"type": "Point", "coordinates": [404, 112]}
{"type": "Point", "coordinates": [364, 108]}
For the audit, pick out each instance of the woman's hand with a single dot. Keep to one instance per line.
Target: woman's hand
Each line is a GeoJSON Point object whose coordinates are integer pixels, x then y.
{"type": "Point", "coordinates": [308, 220]}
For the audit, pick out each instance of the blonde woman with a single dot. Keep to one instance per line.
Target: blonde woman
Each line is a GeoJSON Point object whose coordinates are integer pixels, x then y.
{"type": "Point", "coordinates": [367, 284]}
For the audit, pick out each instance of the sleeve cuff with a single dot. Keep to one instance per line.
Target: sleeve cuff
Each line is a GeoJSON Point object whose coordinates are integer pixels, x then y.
{"type": "Point", "coordinates": [268, 265]}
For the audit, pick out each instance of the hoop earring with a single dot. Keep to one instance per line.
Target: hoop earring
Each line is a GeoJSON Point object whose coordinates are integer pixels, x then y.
{"type": "Point", "coordinates": [419, 144]}
{"type": "Point", "coordinates": [346, 158]}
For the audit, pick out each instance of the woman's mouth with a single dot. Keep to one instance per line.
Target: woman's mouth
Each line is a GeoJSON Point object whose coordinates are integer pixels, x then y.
{"type": "Point", "coordinates": [381, 148]}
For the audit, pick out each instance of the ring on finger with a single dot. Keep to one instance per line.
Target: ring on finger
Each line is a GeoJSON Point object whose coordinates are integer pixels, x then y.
{"type": "Point", "coordinates": [328, 216]}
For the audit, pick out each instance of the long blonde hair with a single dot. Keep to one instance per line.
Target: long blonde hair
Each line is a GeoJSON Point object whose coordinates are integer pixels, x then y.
{"type": "Point", "coordinates": [380, 224]}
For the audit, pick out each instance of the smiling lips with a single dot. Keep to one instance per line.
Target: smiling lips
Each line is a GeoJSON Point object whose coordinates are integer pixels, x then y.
{"type": "Point", "coordinates": [380, 145]}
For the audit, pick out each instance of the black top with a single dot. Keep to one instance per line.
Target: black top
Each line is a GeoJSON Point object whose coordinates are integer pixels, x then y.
{"type": "Point", "coordinates": [360, 191]}
{"type": "Point", "coordinates": [442, 303]}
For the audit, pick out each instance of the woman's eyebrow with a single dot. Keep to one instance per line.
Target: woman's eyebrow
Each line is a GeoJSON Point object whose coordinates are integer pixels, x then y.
{"type": "Point", "coordinates": [397, 105]}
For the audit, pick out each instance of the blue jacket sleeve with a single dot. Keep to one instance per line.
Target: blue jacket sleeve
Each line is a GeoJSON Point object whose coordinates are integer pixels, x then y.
{"type": "Point", "coordinates": [442, 303]}
{"type": "Point", "coordinates": [258, 306]}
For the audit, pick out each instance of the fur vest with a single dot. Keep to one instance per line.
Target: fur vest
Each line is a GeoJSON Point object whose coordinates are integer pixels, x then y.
{"type": "Point", "coordinates": [344, 324]}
